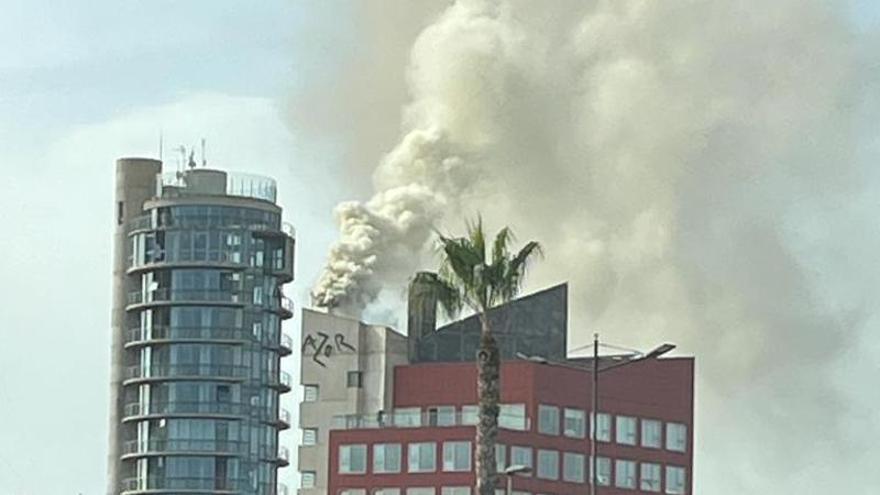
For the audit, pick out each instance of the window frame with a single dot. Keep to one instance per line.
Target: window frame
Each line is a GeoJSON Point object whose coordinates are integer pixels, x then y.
{"type": "Point", "coordinates": [548, 412]}
{"type": "Point", "coordinates": [583, 423]}
{"type": "Point", "coordinates": [540, 472]}
{"type": "Point", "coordinates": [642, 477]}
{"type": "Point", "coordinates": [567, 461]}
{"type": "Point", "coordinates": [634, 474]}
{"type": "Point", "coordinates": [409, 456]}
{"type": "Point", "coordinates": [384, 469]}
{"type": "Point", "coordinates": [450, 448]}
{"type": "Point", "coordinates": [351, 447]}
{"type": "Point", "coordinates": [644, 440]}
{"type": "Point", "coordinates": [621, 420]}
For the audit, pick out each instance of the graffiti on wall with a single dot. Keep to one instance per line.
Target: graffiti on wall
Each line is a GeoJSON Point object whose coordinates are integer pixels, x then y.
{"type": "Point", "coordinates": [321, 347]}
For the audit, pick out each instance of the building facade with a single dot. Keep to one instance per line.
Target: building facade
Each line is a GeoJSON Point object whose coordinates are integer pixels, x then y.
{"type": "Point", "coordinates": [409, 428]}
{"type": "Point", "coordinates": [200, 260]}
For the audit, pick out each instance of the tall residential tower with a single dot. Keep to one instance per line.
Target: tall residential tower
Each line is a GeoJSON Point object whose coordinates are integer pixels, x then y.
{"type": "Point", "coordinates": [200, 260]}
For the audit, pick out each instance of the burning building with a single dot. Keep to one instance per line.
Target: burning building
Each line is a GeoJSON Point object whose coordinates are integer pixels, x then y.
{"type": "Point", "coordinates": [388, 413]}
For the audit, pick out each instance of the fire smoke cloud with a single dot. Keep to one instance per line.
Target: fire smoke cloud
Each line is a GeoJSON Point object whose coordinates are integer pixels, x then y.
{"type": "Point", "coordinates": [697, 170]}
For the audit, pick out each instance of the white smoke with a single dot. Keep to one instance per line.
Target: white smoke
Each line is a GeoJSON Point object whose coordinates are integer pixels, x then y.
{"type": "Point", "coordinates": [692, 169]}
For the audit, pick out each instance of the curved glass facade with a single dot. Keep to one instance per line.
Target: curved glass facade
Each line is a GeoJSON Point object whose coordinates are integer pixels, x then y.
{"type": "Point", "coordinates": [202, 349]}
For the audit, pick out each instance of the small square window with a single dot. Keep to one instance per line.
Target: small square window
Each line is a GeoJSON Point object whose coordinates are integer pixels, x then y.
{"type": "Point", "coordinates": [548, 419]}
{"type": "Point", "coordinates": [575, 423]}
{"type": "Point", "coordinates": [456, 456]}
{"type": "Point", "coordinates": [573, 467]}
{"type": "Point", "coordinates": [353, 459]}
{"type": "Point", "coordinates": [310, 393]}
{"type": "Point", "coordinates": [386, 458]}
{"type": "Point", "coordinates": [652, 433]}
{"type": "Point", "coordinates": [625, 474]}
{"type": "Point", "coordinates": [310, 436]}
{"type": "Point", "coordinates": [548, 464]}
{"type": "Point", "coordinates": [422, 457]}
{"type": "Point", "coordinates": [626, 430]}
{"type": "Point", "coordinates": [307, 479]}
{"type": "Point", "coordinates": [650, 477]}
{"type": "Point", "coordinates": [675, 480]}
{"type": "Point", "coordinates": [355, 379]}
{"type": "Point", "coordinates": [521, 456]}
{"type": "Point", "coordinates": [676, 437]}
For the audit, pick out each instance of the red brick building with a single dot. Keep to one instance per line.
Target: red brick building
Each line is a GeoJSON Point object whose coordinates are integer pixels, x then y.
{"type": "Point", "coordinates": [424, 445]}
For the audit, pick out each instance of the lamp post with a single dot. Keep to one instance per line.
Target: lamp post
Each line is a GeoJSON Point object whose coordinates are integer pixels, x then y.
{"type": "Point", "coordinates": [511, 471]}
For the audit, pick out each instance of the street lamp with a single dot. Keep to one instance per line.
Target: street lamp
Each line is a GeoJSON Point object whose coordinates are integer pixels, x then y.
{"type": "Point", "coordinates": [511, 471]}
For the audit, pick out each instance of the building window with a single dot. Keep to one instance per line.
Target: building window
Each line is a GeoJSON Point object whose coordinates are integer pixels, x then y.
{"type": "Point", "coordinates": [575, 423]}
{"type": "Point", "coordinates": [455, 490]}
{"type": "Point", "coordinates": [352, 459]}
{"type": "Point", "coordinates": [521, 456]}
{"type": "Point", "coordinates": [456, 456]}
{"type": "Point", "coordinates": [603, 471]}
{"type": "Point", "coordinates": [548, 419]}
{"type": "Point", "coordinates": [441, 416]}
{"type": "Point", "coordinates": [675, 480]}
{"type": "Point", "coordinates": [386, 458]}
{"type": "Point", "coordinates": [310, 393]}
{"type": "Point", "coordinates": [353, 491]}
{"type": "Point", "coordinates": [548, 464]}
{"type": "Point", "coordinates": [500, 458]}
{"type": "Point", "coordinates": [651, 433]}
{"type": "Point", "coordinates": [649, 479]}
{"type": "Point", "coordinates": [512, 417]}
{"type": "Point", "coordinates": [676, 437]}
{"type": "Point", "coordinates": [626, 430]}
{"type": "Point", "coordinates": [386, 491]}
{"type": "Point", "coordinates": [408, 417]}
{"type": "Point", "coordinates": [354, 379]}
{"type": "Point", "coordinates": [625, 474]}
{"type": "Point", "coordinates": [307, 479]}
{"type": "Point", "coordinates": [422, 457]}
{"type": "Point", "coordinates": [602, 427]}
{"type": "Point", "coordinates": [425, 490]}
{"type": "Point", "coordinates": [573, 467]}
{"type": "Point", "coordinates": [470, 415]}
{"type": "Point", "coordinates": [310, 436]}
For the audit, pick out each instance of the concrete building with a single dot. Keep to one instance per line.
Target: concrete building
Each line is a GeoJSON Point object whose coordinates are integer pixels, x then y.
{"type": "Point", "coordinates": [200, 260]}
{"type": "Point", "coordinates": [415, 436]}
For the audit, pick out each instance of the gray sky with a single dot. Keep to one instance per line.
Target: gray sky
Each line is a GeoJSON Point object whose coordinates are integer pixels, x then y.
{"type": "Point", "coordinates": [81, 86]}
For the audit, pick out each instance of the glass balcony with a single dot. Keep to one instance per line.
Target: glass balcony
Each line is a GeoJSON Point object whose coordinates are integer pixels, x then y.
{"type": "Point", "coordinates": [139, 335]}
{"type": "Point", "coordinates": [151, 483]}
{"type": "Point", "coordinates": [421, 420]}
{"type": "Point", "coordinates": [182, 407]}
{"type": "Point", "coordinates": [284, 382]}
{"type": "Point", "coordinates": [286, 344]}
{"type": "Point", "coordinates": [283, 456]}
{"type": "Point", "coordinates": [182, 445]}
{"type": "Point", "coordinates": [284, 418]}
{"type": "Point", "coordinates": [187, 295]}
{"type": "Point", "coordinates": [186, 370]}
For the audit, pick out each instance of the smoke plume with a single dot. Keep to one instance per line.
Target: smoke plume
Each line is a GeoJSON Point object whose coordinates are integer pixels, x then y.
{"type": "Point", "coordinates": [698, 171]}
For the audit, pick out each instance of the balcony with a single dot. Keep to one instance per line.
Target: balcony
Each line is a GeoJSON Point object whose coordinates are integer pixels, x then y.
{"type": "Point", "coordinates": [422, 420]}
{"type": "Point", "coordinates": [142, 336]}
{"type": "Point", "coordinates": [284, 382]}
{"type": "Point", "coordinates": [151, 484]}
{"type": "Point", "coordinates": [283, 458]}
{"type": "Point", "coordinates": [137, 448]}
{"type": "Point", "coordinates": [186, 371]}
{"type": "Point", "coordinates": [286, 347]}
{"type": "Point", "coordinates": [137, 410]}
{"type": "Point", "coordinates": [285, 307]}
{"type": "Point", "coordinates": [189, 296]}
{"type": "Point", "coordinates": [283, 419]}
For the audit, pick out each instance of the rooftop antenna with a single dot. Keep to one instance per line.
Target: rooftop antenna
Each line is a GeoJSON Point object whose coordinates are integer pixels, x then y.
{"type": "Point", "coordinates": [161, 145]}
{"type": "Point", "coordinates": [204, 161]}
{"type": "Point", "coordinates": [180, 159]}
{"type": "Point", "coordinates": [191, 163]}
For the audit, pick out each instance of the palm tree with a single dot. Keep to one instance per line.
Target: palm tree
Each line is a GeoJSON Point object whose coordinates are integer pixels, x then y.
{"type": "Point", "coordinates": [468, 278]}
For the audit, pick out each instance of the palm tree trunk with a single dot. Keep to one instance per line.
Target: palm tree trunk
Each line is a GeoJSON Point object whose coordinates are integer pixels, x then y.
{"type": "Point", "coordinates": [488, 388]}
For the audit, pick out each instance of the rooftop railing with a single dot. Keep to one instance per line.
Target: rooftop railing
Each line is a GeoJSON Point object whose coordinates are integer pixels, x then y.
{"type": "Point", "coordinates": [421, 420]}
{"type": "Point", "coordinates": [237, 184]}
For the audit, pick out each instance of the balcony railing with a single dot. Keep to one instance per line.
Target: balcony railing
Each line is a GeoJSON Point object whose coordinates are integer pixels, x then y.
{"type": "Point", "coordinates": [284, 417]}
{"type": "Point", "coordinates": [163, 483]}
{"type": "Point", "coordinates": [186, 370]}
{"type": "Point", "coordinates": [182, 445]}
{"type": "Point", "coordinates": [284, 382]}
{"type": "Point", "coordinates": [283, 455]}
{"type": "Point", "coordinates": [172, 295]}
{"type": "Point", "coordinates": [286, 344]}
{"type": "Point", "coordinates": [237, 184]}
{"type": "Point", "coordinates": [184, 407]}
{"type": "Point", "coordinates": [187, 333]}
{"type": "Point", "coordinates": [421, 420]}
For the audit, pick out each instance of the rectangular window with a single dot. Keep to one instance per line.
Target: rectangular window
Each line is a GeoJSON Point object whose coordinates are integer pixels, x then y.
{"type": "Point", "coordinates": [441, 416]}
{"type": "Point", "coordinates": [625, 474]}
{"type": "Point", "coordinates": [422, 457]}
{"type": "Point", "coordinates": [548, 419]}
{"type": "Point", "coordinates": [426, 490]}
{"type": "Point", "coordinates": [512, 417]}
{"type": "Point", "coordinates": [470, 415]}
{"type": "Point", "coordinates": [353, 491]}
{"type": "Point", "coordinates": [120, 212]}
{"type": "Point", "coordinates": [456, 456]}
{"type": "Point", "coordinates": [386, 491]}
{"type": "Point", "coordinates": [575, 423]}
{"type": "Point", "coordinates": [310, 436]}
{"type": "Point", "coordinates": [354, 379]}
{"type": "Point", "coordinates": [386, 458]}
{"type": "Point", "coordinates": [408, 417]}
{"type": "Point", "coordinates": [548, 464]}
{"type": "Point", "coordinates": [675, 480]}
{"type": "Point", "coordinates": [500, 458]}
{"type": "Point", "coordinates": [651, 433]}
{"type": "Point", "coordinates": [603, 471]}
{"type": "Point", "coordinates": [353, 459]}
{"type": "Point", "coordinates": [521, 456]}
{"type": "Point", "coordinates": [307, 479]}
{"type": "Point", "coordinates": [676, 437]}
{"type": "Point", "coordinates": [455, 490]}
{"type": "Point", "coordinates": [310, 393]}
{"type": "Point", "coordinates": [649, 479]}
{"type": "Point", "coordinates": [626, 430]}
{"type": "Point", "coordinates": [602, 427]}
{"type": "Point", "coordinates": [573, 467]}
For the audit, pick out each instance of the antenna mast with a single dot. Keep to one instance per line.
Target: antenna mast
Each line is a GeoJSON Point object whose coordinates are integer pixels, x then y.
{"type": "Point", "coordinates": [204, 161]}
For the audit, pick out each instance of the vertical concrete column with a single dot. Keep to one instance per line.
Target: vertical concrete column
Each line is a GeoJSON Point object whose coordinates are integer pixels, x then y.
{"type": "Point", "coordinates": [135, 183]}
